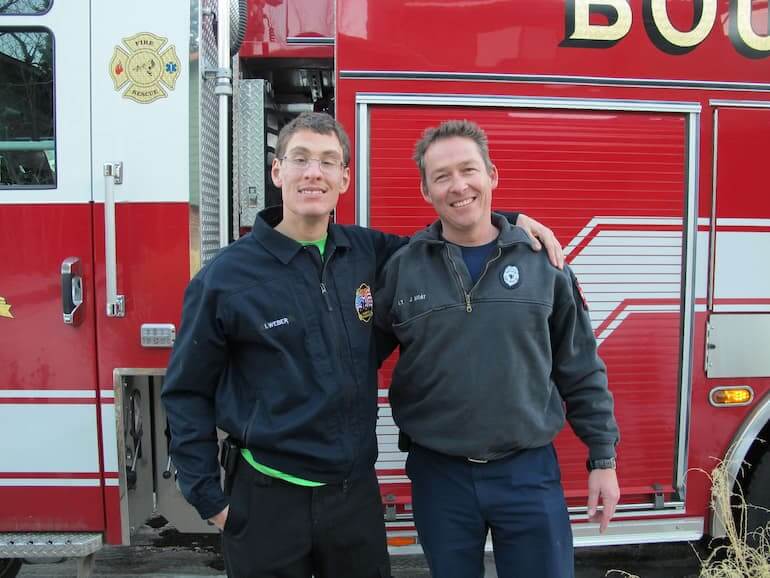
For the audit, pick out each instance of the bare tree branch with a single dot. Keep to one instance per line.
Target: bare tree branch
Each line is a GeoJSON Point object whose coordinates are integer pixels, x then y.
{"type": "Point", "coordinates": [8, 4]}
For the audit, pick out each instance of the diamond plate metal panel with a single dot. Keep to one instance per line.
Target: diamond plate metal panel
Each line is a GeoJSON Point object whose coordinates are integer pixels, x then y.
{"type": "Point", "coordinates": [209, 143]}
{"type": "Point", "coordinates": [249, 153]}
{"type": "Point", "coordinates": [32, 545]}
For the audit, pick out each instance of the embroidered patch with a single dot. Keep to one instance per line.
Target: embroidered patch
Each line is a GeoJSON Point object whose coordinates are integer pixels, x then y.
{"type": "Point", "coordinates": [510, 276]}
{"type": "Point", "coordinates": [364, 303]}
{"type": "Point", "coordinates": [580, 292]}
{"type": "Point", "coordinates": [276, 323]}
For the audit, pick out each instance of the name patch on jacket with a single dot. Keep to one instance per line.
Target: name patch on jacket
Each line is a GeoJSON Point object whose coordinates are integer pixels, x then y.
{"type": "Point", "coordinates": [364, 303]}
{"type": "Point", "coordinates": [276, 323]}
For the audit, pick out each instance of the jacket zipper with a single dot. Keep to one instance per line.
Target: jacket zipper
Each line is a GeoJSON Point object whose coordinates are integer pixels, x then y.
{"type": "Point", "coordinates": [324, 292]}
{"type": "Point", "coordinates": [467, 294]}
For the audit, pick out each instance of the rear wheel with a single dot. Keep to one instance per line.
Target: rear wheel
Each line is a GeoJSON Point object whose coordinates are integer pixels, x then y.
{"type": "Point", "coordinates": [758, 495]}
{"type": "Point", "coordinates": [9, 567]}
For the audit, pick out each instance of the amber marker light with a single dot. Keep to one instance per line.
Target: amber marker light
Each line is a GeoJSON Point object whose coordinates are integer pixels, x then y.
{"type": "Point", "coordinates": [398, 541]}
{"type": "Point", "coordinates": [731, 396]}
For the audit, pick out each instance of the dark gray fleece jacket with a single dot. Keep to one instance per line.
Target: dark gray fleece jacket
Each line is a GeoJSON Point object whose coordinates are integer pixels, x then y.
{"type": "Point", "coordinates": [489, 369]}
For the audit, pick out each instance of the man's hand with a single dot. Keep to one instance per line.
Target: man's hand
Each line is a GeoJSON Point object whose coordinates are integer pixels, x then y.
{"type": "Point", "coordinates": [220, 519]}
{"type": "Point", "coordinates": [604, 484]}
{"type": "Point", "coordinates": [542, 235]}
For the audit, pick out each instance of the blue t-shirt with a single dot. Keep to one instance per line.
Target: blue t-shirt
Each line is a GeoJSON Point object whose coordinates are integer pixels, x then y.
{"type": "Point", "coordinates": [476, 258]}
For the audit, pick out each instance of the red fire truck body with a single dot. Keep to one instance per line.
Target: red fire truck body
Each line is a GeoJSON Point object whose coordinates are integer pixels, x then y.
{"type": "Point", "coordinates": [635, 129]}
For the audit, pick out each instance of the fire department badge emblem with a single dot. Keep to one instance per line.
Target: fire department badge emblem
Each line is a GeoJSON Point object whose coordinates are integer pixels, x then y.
{"type": "Point", "coordinates": [510, 276]}
{"type": "Point", "coordinates": [5, 308]}
{"type": "Point", "coordinates": [144, 69]}
{"type": "Point", "coordinates": [580, 292]}
{"type": "Point", "coordinates": [364, 303]}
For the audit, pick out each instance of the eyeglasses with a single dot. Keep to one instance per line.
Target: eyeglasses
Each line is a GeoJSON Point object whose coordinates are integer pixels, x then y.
{"type": "Point", "coordinates": [326, 166]}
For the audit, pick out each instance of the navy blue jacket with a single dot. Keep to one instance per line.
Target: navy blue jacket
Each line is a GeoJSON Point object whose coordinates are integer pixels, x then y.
{"type": "Point", "coordinates": [276, 348]}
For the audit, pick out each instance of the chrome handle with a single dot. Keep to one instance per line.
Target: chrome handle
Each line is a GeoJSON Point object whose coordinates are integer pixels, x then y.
{"type": "Point", "coordinates": [116, 304]}
{"type": "Point", "coordinates": [71, 290]}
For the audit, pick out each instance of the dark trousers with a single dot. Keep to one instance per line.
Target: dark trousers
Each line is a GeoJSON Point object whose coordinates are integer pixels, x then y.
{"type": "Point", "coordinates": [280, 530]}
{"type": "Point", "coordinates": [519, 499]}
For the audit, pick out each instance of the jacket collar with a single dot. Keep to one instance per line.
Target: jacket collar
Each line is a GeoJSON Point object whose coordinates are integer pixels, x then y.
{"type": "Point", "coordinates": [509, 234]}
{"type": "Point", "coordinates": [282, 247]}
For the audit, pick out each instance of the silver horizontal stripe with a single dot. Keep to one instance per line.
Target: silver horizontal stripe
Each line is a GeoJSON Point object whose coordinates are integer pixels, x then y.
{"type": "Point", "coordinates": [620, 532]}
{"type": "Point", "coordinates": [310, 40]}
{"type": "Point", "coordinates": [525, 102]}
{"type": "Point", "coordinates": [740, 103]}
{"type": "Point", "coordinates": [553, 79]}
{"type": "Point", "coordinates": [633, 510]}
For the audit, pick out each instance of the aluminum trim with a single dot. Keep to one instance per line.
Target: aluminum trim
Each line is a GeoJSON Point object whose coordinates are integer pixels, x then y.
{"type": "Point", "coordinates": [310, 41]}
{"type": "Point", "coordinates": [194, 140]}
{"type": "Point", "coordinates": [739, 447]}
{"type": "Point", "coordinates": [554, 79]}
{"type": "Point", "coordinates": [739, 103]}
{"type": "Point", "coordinates": [224, 90]}
{"type": "Point", "coordinates": [639, 532]}
{"type": "Point", "coordinates": [723, 387]}
{"type": "Point", "coordinates": [636, 509]}
{"type": "Point", "coordinates": [48, 393]}
{"type": "Point", "coordinates": [688, 302]}
{"type": "Point", "coordinates": [49, 544]}
{"type": "Point", "coordinates": [587, 534]}
{"type": "Point", "coordinates": [120, 434]}
{"type": "Point", "coordinates": [713, 223]}
{"type": "Point", "coordinates": [51, 482]}
{"type": "Point", "coordinates": [362, 168]}
{"type": "Point", "coordinates": [527, 102]}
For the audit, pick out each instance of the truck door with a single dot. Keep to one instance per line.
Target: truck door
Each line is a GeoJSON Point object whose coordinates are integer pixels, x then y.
{"type": "Point", "coordinates": [739, 296]}
{"type": "Point", "coordinates": [50, 474]}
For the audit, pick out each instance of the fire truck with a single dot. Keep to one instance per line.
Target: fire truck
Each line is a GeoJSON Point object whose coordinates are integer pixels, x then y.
{"type": "Point", "coordinates": [136, 140]}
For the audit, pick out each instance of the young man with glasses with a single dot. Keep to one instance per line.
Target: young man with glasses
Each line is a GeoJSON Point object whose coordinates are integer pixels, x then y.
{"type": "Point", "coordinates": [276, 348]}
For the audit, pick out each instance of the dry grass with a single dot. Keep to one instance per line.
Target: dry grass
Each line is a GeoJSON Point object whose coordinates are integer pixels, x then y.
{"type": "Point", "coordinates": [737, 557]}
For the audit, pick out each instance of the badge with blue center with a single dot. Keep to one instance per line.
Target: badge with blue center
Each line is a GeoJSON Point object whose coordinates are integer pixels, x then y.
{"type": "Point", "coordinates": [364, 303]}
{"type": "Point", "coordinates": [510, 276]}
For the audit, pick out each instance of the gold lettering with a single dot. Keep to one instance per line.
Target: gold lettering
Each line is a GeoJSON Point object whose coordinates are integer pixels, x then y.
{"type": "Point", "coordinates": [679, 38]}
{"type": "Point", "coordinates": [5, 308]}
{"type": "Point", "coordinates": [617, 28]}
{"type": "Point", "coordinates": [748, 37]}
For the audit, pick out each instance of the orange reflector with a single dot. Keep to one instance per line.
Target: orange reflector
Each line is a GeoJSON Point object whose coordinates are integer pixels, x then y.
{"type": "Point", "coordinates": [731, 396]}
{"type": "Point", "coordinates": [402, 541]}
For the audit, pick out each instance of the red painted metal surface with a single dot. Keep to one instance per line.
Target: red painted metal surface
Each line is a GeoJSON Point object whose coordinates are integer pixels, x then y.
{"type": "Point", "coordinates": [273, 22]}
{"type": "Point", "coordinates": [152, 241]}
{"type": "Point", "coordinates": [525, 38]}
{"type": "Point", "coordinates": [743, 142]}
{"type": "Point", "coordinates": [530, 38]}
{"type": "Point", "coordinates": [51, 509]}
{"type": "Point", "coordinates": [112, 514]}
{"type": "Point", "coordinates": [37, 350]}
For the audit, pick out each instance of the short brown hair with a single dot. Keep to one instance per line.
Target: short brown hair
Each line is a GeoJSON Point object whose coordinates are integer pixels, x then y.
{"type": "Point", "coordinates": [319, 123]}
{"type": "Point", "coordinates": [449, 129]}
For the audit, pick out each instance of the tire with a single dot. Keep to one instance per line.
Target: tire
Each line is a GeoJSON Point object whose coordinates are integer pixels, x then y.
{"type": "Point", "coordinates": [9, 567]}
{"type": "Point", "coordinates": [758, 494]}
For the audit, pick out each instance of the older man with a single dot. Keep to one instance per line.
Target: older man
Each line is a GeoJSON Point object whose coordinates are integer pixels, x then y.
{"type": "Point", "coordinates": [495, 342]}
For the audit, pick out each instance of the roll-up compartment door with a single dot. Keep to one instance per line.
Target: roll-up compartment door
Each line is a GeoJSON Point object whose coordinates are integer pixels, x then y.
{"type": "Point", "coordinates": [612, 185]}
